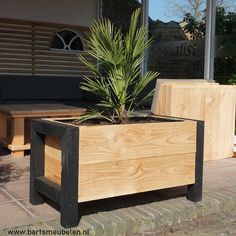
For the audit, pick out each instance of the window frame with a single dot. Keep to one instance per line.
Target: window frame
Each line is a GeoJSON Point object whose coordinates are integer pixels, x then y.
{"type": "Point", "coordinates": [78, 34]}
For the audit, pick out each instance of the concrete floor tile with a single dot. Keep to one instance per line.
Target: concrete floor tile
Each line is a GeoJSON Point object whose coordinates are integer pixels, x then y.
{"type": "Point", "coordinates": [44, 211]}
{"type": "Point", "coordinates": [12, 169]}
{"type": "Point", "coordinates": [4, 197]}
{"type": "Point", "coordinates": [18, 189]}
{"type": "Point", "coordinates": [12, 215]}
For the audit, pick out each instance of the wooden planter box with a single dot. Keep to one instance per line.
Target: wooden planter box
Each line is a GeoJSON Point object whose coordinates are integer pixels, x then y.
{"type": "Point", "coordinates": [71, 164]}
{"type": "Point", "coordinates": [213, 103]}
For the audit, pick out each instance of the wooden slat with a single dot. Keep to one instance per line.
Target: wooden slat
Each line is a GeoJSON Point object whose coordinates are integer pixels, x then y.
{"type": "Point", "coordinates": [15, 50]}
{"type": "Point", "coordinates": [15, 66]}
{"type": "Point", "coordinates": [5, 25]}
{"type": "Point", "coordinates": [14, 42]}
{"type": "Point", "coordinates": [99, 144]}
{"type": "Point", "coordinates": [9, 56]}
{"type": "Point", "coordinates": [15, 32]}
{"type": "Point", "coordinates": [10, 47]}
{"type": "Point", "coordinates": [48, 62]}
{"type": "Point", "coordinates": [63, 73]}
{"type": "Point", "coordinates": [16, 37]}
{"type": "Point", "coordinates": [19, 60]}
{"type": "Point", "coordinates": [61, 67]}
{"type": "Point", "coordinates": [25, 44]}
{"type": "Point", "coordinates": [58, 58]}
{"type": "Point", "coordinates": [8, 70]}
{"type": "Point", "coordinates": [112, 179]}
{"type": "Point", "coordinates": [53, 158]}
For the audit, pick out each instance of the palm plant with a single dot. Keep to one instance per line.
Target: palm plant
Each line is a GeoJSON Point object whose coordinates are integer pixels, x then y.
{"type": "Point", "coordinates": [118, 81]}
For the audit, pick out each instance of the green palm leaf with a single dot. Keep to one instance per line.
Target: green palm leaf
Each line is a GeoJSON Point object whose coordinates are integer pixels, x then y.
{"type": "Point", "coordinates": [119, 56]}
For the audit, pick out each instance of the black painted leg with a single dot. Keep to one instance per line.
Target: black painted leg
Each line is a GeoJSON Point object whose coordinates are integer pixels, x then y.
{"type": "Point", "coordinates": [69, 179]}
{"type": "Point", "coordinates": [194, 192]}
{"type": "Point", "coordinates": [36, 165]}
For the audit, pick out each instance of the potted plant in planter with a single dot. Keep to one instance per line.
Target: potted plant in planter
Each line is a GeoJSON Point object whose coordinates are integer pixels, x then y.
{"type": "Point", "coordinates": [108, 152]}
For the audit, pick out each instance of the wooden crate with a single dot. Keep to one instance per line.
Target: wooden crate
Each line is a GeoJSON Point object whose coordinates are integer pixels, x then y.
{"type": "Point", "coordinates": [75, 164]}
{"type": "Point", "coordinates": [213, 103]}
{"type": "Point", "coordinates": [125, 159]}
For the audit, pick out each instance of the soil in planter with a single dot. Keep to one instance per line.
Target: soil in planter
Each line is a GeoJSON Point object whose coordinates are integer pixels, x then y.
{"type": "Point", "coordinates": [131, 120]}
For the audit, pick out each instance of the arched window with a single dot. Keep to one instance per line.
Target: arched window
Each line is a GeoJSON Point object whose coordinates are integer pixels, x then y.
{"type": "Point", "coordinates": [68, 40]}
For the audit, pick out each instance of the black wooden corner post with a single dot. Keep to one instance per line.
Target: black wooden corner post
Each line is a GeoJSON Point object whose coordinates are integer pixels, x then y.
{"type": "Point", "coordinates": [65, 195]}
{"type": "Point", "coordinates": [195, 190]}
{"type": "Point", "coordinates": [69, 178]}
{"type": "Point", "coordinates": [36, 165]}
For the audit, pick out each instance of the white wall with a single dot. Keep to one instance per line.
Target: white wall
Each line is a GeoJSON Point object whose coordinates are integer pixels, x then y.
{"type": "Point", "coordinates": [72, 12]}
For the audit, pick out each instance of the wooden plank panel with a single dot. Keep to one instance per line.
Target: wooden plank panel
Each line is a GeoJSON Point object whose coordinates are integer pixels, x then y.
{"type": "Point", "coordinates": [14, 43]}
{"type": "Point", "coordinates": [59, 62]}
{"type": "Point", "coordinates": [53, 159]}
{"type": "Point", "coordinates": [61, 67]}
{"type": "Point", "coordinates": [59, 58]}
{"type": "Point", "coordinates": [97, 181]}
{"type": "Point", "coordinates": [26, 44]}
{"type": "Point", "coordinates": [114, 178]}
{"type": "Point", "coordinates": [15, 26]}
{"type": "Point", "coordinates": [3, 125]}
{"type": "Point", "coordinates": [64, 72]}
{"type": "Point", "coordinates": [104, 143]}
{"type": "Point", "coordinates": [15, 31]}
{"type": "Point", "coordinates": [14, 40]}
{"type": "Point", "coordinates": [63, 75]}
{"type": "Point", "coordinates": [18, 37]}
{"type": "Point", "coordinates": [12, 70]}
{"type": "Point", "coordinates": [17, 60]}
{"type": "Point", "coordinates": [15, 56]}
{"type": "Point", "coordinates": [16, 51]}
{"type": "Point", "coordinates": [213, 103]}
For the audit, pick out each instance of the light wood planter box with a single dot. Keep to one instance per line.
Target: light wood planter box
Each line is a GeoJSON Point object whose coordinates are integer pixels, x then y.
{"type": "Point", "coordinates": [71, 164]}
{"type": "Point", "coordinates": [213, 103]}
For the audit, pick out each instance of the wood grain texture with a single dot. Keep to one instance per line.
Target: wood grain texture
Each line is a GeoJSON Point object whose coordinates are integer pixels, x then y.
{"type": "Point", "coordinates": [117, 178]}
{"type": "Point", "coordinates": [40, 110]}
{"type": "Point", "coordinates": [213, 103]}
{"type": "Point", "coordinates": [53, 159]}
{"type": "Point", "coordinates": [126, 142]}
{"type": "Point", "coordinates": [125, 159]}
{"type": "Point", "coordinates": [3, 125]}
{"type": "Point", "coordinates": [15, 122]}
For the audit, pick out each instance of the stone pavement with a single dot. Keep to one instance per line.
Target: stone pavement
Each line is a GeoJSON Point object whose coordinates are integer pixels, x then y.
{"type": "Point", "coordinates": [221, 224]}
{"type": "Point", "coordinates": [140, 214]}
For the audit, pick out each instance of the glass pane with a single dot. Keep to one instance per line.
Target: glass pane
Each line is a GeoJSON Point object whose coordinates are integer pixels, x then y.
{"type": "Point", "coordinates": [225, 61]}
{"type": "Point", "coordinates": [77, 45]}
{"type": "Point", "coordinates": [67, 36]}
{"type": "Point", "coordinates": [57, 43]}
{"type": "Point", "coordinates": [177, 29]}
{"type": "Point", "coordinates": [120, 11]}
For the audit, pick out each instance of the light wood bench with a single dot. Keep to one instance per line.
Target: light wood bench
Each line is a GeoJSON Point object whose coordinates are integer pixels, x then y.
{"type": "Point", "coordinates": [15, 122]}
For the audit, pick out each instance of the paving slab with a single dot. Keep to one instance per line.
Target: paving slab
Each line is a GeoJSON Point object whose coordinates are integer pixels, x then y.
{"type": "Point", "coordinates": [12, 169]}
{"type": "Point", "coordinates": [43, 212]}
{"type": "Point", "coordinates": [18, 189]}
{"type": "Point", "coordinates": [4, 197]}
{"type": "Point", "coordinates": [135, 214]}
{"type": "Point", "coordinates": [12, 215]}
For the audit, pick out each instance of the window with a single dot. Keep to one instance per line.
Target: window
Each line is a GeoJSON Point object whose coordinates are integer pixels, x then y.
{"type": "Point", "coordinates": [67, 40]}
